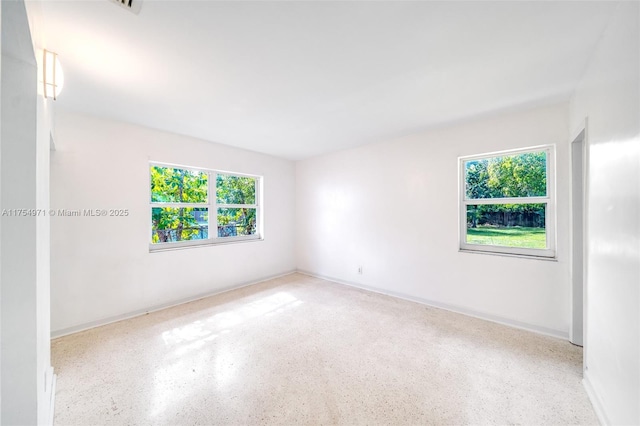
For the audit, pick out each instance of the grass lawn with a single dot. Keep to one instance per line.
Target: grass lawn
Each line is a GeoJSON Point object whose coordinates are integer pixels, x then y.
{"type": "Point", "coordinates": [508, 237]}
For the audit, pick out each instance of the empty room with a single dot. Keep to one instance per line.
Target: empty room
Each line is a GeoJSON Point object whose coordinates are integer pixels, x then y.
{"type": "Point", "coordinates": [319, 212]}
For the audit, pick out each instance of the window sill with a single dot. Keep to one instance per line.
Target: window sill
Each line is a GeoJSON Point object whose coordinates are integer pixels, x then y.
{"type": "Point", "coordinates": [521, 256]}
{"type": "Point", "coordinates": [154, 248]}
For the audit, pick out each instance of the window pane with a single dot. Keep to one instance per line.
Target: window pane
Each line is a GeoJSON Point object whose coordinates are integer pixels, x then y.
{"type": "Point", "coordinates": [179, 224]}
{"type": "Point", "coordinates": [169, 185]}
{"type": "Point", "coordinates": [520, 175]}
{"type": "Point", "coordinates": [234, 222]}
{"type": "Point", "coordinates": [235, 189]}
{"type": "Point", "coordinates": [507, 225]}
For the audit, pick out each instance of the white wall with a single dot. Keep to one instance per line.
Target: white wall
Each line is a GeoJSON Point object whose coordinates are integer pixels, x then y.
{"type": "Point", "coordinates": [44, 114]}
{"type": "Point", "coordinates": [43, 263]}
{"type": "Point", "coordinates": [609, 96]}
{"type": "Point", "coordinates": [24, 283]}
{"type": "Point", "coordinates": [393, 208]}
{"type": "Point", "coordinates": [101, 267]}
{"type": "Point", "coordinates": [27, 376]}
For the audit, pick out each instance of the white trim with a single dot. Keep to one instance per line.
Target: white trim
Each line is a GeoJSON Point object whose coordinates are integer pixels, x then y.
{"type": "Point", "coordinates": [576, 132]}
{"type": "Point", "coordinates": [506, 200]}
{"type": "Point", "coordinates": [575, 210]}
{"type": "Point", "coordinates": [585, 239]}
{"type": "Point", "coordinates": [260, 211]}
{"type": "Point", "coordinates": [116, 318]}
{"type": "Point", "coordinates": [156, 204]}
{"type": "Point", "coordinates": [177, 245]}
{"type": "Point", "coordinates": [549, 200]}
{"type": "Point", "coordinates": [212, 223]}
{"type": "Point", "coordinates": [201, 169]}
{"type": "Point", "coordinates": [520, 256]}
{"type": "Point", "coordinates": [505, 152]}
{"type": "Point", "coordinates": [452, 308]}
{"type": "Point", "coordinates": [596, 402]}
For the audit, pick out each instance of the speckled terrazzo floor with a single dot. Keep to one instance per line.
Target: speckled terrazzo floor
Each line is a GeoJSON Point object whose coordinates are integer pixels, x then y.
{"type": "Point", "coordinates": [300, 350]}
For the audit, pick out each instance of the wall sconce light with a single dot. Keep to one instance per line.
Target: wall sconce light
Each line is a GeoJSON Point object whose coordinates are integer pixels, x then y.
{"type": "Point", "coordinates": [52, 75]}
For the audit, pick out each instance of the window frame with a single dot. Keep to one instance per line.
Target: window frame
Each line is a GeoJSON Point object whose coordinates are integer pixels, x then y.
{"type": "Point", "coordinates": [549, 252]}
{"type": "Point", "coordinates": [212, 205]}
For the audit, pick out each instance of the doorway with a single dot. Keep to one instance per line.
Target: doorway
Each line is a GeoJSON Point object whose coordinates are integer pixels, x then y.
{"type": "Point", "coordinates": [576, 332]}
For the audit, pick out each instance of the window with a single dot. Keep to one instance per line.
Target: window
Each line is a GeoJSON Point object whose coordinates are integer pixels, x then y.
{"type": "Point", "coordinates": [508, 203]}
{"type": "Point", "coordinates": [195, 207]}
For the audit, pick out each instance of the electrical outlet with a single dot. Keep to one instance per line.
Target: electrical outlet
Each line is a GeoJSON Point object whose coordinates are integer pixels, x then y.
{"type": "Point", "coordinates": [360, 270]}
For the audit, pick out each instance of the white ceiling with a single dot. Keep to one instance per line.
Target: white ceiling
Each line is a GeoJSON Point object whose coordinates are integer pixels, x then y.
{"type": "Point", "coordinates": [298, 79]}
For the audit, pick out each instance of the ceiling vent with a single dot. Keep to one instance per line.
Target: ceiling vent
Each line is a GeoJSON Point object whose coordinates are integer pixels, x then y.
{"type": "Point", "coordinates": [131, 5]}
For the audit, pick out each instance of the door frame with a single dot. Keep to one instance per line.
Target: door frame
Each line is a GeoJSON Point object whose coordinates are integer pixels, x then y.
{"type": "Point", "coordinates": [579, 157]}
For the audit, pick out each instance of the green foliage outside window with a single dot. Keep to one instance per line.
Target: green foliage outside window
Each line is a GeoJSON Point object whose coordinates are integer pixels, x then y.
{"type": "Point", "coordinates": [522, 175]}
{"type": "Point", "coordinates": [235, 196]}
{"type": "Point", "coordinates": [236, 190]}
{"type": "Point", "coordinates": [179, 224]}
{"type": "Point", "coordinates": [171, 185]}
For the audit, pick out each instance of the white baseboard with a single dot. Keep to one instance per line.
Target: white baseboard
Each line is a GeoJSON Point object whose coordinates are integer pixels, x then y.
{"type": "Point", "coordinates": [461, 310]}
{"type": "Point", "coordinates": [595, 399]}
{"type": "Point", "coordinates": [457, 309]}
{"type": "Point", "coordinates": [109, 320]}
